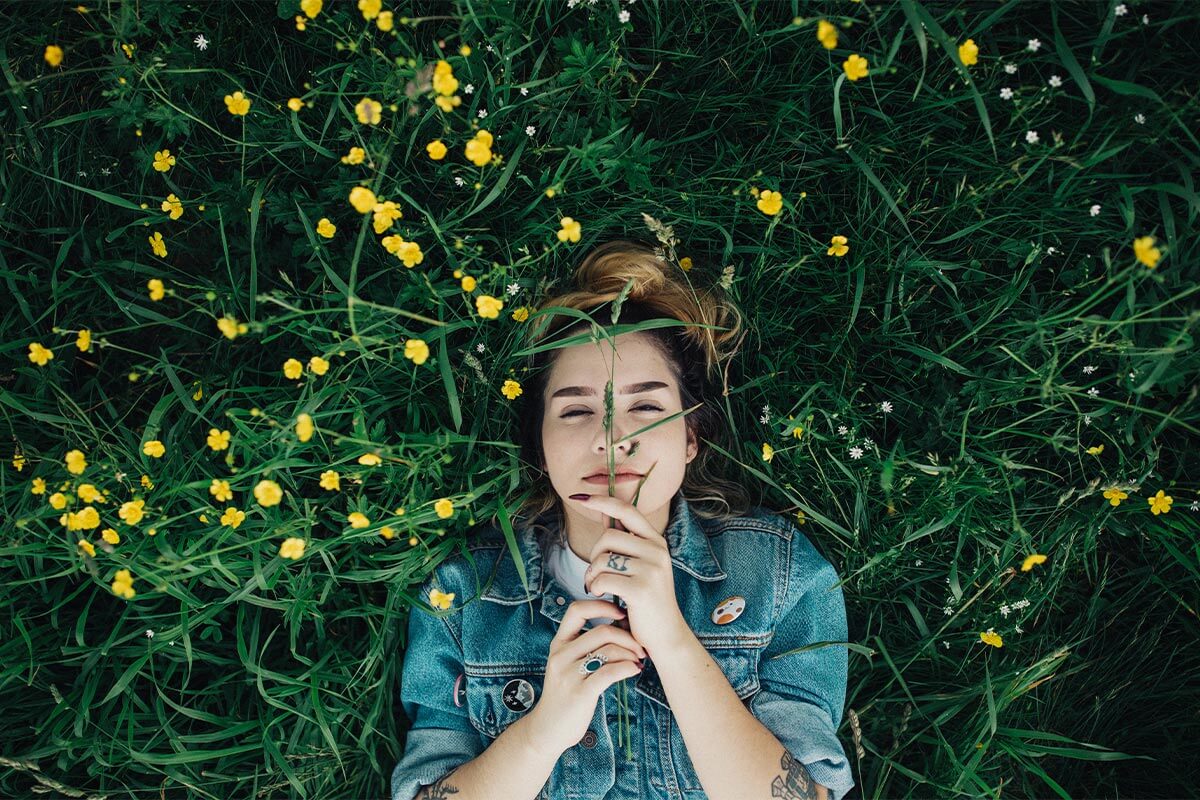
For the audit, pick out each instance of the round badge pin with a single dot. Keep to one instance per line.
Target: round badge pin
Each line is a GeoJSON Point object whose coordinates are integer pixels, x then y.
{"type": "Point", "coordinates": [729, 609]}
{"type": "Point", "coordinates": [460, 690]}
{"type": "Point", "coordinates": [518, 695]}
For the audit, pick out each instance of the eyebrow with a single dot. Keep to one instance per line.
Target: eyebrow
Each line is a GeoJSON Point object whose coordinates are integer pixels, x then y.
{"type": "Point", "coordinates": [587, 391]}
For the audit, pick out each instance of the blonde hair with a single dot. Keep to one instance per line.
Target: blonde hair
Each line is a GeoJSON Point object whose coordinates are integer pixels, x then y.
{"type": "Point", "coordinates": [696, 356]}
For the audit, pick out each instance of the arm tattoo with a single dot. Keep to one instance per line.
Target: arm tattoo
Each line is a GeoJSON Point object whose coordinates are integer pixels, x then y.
{"type": "Point", "coordinates": [618, 562]}
{"type": "Point", "coordinates": [795, 783]}
{"type": "Point", "coordinates": [438, 791]}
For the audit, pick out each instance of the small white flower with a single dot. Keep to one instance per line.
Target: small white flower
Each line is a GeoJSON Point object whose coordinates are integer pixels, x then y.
{"type": "Point", "coordinates": [105, 171]}
{"type": "Point", "coordinates": [201, 42]}
{"type": "Point", "coordinates": [1195, 506]}
{"type": "Point", "coordinates": [1055, 81]}
{"type": "Point", "coordinates": [530, 130]}
{"type": "Point", "coordinates": [1033, 45]}
{"type": "Point", "coordinates": [867, 442]}
{"type": "Point", "coordinates": [886, 406]}
{"type": "Point", "coordinates": [1131, 375]}
{"type": "Point", "coordinates": [482, 113]}
{"type": "Point", "coordinates": [623, 16]}
{"type": "Point", "coordinates": [1094, 392]}
{"type": "Point", "coordinates": [1087, 420]}
{"type": "Point", "coordinates": [1031, 137]}
{"type": "Point", "coordinates": [489, 49]}
{"type": "Point", "coordinates": [81, 174]}
{"type": "Point", "coordinates": [856, 452]}
{"type": "Point", "coordinates": [513, 288]}
{"type": "Point", "coordinates": [1011, 69]}
{"type": "Point", "coordinates": [1018, 629]}
{"type": "Point", "coordinates": [480, 347]}
{"type": "Point", "coordinates": [1050, 251]}
{"type": "Point", "coordinates": [459, 181]}
{"type": "Point", "coordinates": [947, 610]}
{"type": "Point", "coordinates": [1094, 210]}
{"type": "Point", "coordinates": [469, 88]}
{"type": "Point", "coordinates": [1089, 369]}
{"type": "Point", "coordinates": [1139, 118]}
{"type": "Point", "coordinates": [149, 633]}
{"type": "Point", "coordinates": [1006, 93]}
{"type": "Point", "coordinates": [764, 419]}
{"type": "Point", "coordinates": [1120, 10]}
{"type": "Point", "coordinates": [945, 644]}
{"type": "Point", "coordinates": [919, 562]}
{"type": "Point", "coordinates": [1145, 19]}
{"type": "Point", "coordinates": [524, 92]}
{"type": "Point", "coordinates": [842, 430]}
{"type": "Point", "coordinates": [1004, 610]}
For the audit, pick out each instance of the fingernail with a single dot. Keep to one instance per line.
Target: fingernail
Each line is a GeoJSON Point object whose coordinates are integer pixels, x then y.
{"type": "Point", "coordinates": [580, 496]}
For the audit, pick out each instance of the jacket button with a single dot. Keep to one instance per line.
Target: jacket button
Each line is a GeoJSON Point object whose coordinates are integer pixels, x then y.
{"type": "Point", "coordinates": [589, 739]}
{"type": "Point", "coordinates": [559, 600]}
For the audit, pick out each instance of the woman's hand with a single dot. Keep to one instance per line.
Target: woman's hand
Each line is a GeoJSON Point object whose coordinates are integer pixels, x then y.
{"type": "Point", "coordinates": [632, 560]}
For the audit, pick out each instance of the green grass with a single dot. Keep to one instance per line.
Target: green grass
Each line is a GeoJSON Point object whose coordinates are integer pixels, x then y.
{"type": "Point", "coordinates": [976, 290]}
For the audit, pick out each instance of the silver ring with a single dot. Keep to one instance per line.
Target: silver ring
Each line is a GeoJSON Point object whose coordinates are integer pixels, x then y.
{"type": "Point", "coordinates": [592, 662]}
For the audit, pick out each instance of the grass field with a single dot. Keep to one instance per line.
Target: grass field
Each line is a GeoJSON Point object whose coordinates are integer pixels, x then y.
{"type": "Point", "coordinates": [264, 268]}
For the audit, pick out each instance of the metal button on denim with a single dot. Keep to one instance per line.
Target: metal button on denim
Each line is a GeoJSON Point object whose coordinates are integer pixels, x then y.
{"type": "Point", "coordinates": [589, 740]}
{"type": "Point", "coordinates": [560, 600]}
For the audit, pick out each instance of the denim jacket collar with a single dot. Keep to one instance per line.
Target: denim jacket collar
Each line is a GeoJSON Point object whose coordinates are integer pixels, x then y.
{"type": "Point", "coordinates": [686, 539]}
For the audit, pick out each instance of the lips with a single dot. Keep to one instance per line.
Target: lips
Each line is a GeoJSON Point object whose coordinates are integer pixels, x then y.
{"type": "Point", "coordinates": [604, 474]}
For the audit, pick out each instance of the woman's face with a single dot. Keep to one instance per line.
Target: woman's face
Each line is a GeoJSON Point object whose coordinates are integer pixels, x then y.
{"type": "Point", "coordinates": [573, 435]}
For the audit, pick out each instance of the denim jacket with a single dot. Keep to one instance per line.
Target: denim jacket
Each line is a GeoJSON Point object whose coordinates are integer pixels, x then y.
{"type": "Point", "coordinates": [468, 671]}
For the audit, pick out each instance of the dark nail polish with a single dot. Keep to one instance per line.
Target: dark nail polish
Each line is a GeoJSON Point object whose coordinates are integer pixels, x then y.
{"type": "Point", "coordinates": [580, 496]}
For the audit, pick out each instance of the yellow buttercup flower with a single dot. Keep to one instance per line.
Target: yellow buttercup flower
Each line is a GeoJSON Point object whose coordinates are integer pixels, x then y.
{"type": "Point", "coordinates": [38, 486]}
{"type": "Point", "coordinates": [358, 520]}
{"type": "Point", "coordinates": [76, 462]}
{"type": "Point", "coordinates": [220, 490]}
{"type": "Point", "coordinates": [1146, 252]}
{"type": "Point", "coordinates": [158, 245]}
{"type": "Point", "coordinates": [57, 501]}
{"type": "Point", "coordinates": [40, 355]}
{"type": "Point", "coordinates": [368, 111]}
{"type": "Point", "coordinates": [1115, 496]}
{"type": "Point", "coordinates": [318, 365]}
{"type": "Point", "coordinates": [163, 160]}
{"type": "Point", "coordinates": [770, 202]}
{"type": "Point", "coordinates": [827, 34]}
{"type": "Point", "coordinates": [410, 253]}
{"type": "Point", "coordinates": [173, 206]}
{"type": "Point", "coordinates": [132, 511]}
{"type": "Point", "coordinates": [238, 104]}
{"type": "Point", "coordinates": [416, 350]}
{"type": "Point", "coordinates": [384, 21]}
{"type": "Point", "coordinates": [157, 290]}
{"type": "Point", "coordinates": [838, 246]}
{"type": "Point", "coordinates": [685, 263]}
{"type": "Point", "coordinates": [521, 314]}
{"type": "Point", "coordinates": [447, 104]}
{"type": "Point", "coordinates": [122, 584]}
{"type": "Point", "coordinates": [439, 599]}
{"type": "Point", "coordinates": [369, 8]}
{"type": "Point", "coordinates": [87, 518]}
{"type": "Point", "coordinates": [436, 150]}
{"type": "Point", "coordinates": [570, 230]}
{"type": "Point", "coordinates": [304, 427]}
{"type": "Point", "coordinates": [218, 440]}
{"type": "Point", "coordinates": [1097, 450]}
{"type": "Point", "coordinates": [111, 536]}
{"type": "Point", "coordinates": [444, 82]}
{"type": "Point", "coordinates": [326, 228]}
{"type": "Point", "coordinates": [232, 517]}
{"type": "Point", "coordinates": [992, 638]}
{"type": "Point", "coordinates": [268, 493]}
{"type": "Point", "coordinates": [855, 67]}
{"type": "Point", "coordinates": [84, 342]}
{"type": "Point", "coordinates": [53, 55]}
{"type": "Point", "coordinates": [487, 306]}
{"type": "Point", "coordinates": [385, 214]}
{"type": "Point", "coordinates": [154, 448]}
{"type": "Point", "coordinates": [230, 327]}
{"type": "Point", "coordinates": [311, 7]}
{"type": "Point", "coordinates": [768, 452]}
{"type": "Point", "coordinates": [387, 532]}
{"type": "Point", "coordinates": [300, 23]}
{"type": "Point", "coordinates": [330, 480]}
{"type": "Point", "coordinates": [87, 547]}
{"type": "Point", "coordinates": [370, 460]}
{"type": "Point", "coordinates": [293, 369]}
{"type": "Point", "coordinates": [468, 283]}
{"type": "Point", "coordinates": [292, 548]}
{"type": "Point", "coordinates": [511, 389]}
{"type": "Point", "coordinates": [295, 103]}
{"type": "Point", "coordinates": [1031, 560]}
{"type": "Point", "coordinates": [444, 508]}
{"type": "Point", "coordinates": [88, 493]}
{"type": "Point", "coordinates": [479, 149]}
{"type": "Point", "coordinates": [465, 50]}
{"type": "Point", "coordinates": [1160, 503]}
{"type": "Point", "coordinates": [363, 199]}
{"type": "Point", "coordinates": [968, 53]}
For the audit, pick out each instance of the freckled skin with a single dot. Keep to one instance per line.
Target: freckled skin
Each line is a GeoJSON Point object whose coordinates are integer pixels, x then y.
{"type": "Point", "coordinates": [795, 783]}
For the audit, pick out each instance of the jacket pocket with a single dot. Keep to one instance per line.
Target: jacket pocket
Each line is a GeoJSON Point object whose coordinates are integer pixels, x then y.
{"type": "Point", "coordinates": [496, 701]}
{"type": "Point", "coordinates": [740, 665]}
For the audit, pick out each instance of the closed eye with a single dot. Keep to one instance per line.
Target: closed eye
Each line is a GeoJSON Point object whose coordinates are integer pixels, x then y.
{"type": "Point", "coordinates": [646, 406]}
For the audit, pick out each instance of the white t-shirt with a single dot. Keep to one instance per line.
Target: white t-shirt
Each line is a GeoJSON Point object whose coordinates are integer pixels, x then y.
{"type": "Point", "coordinates": [568, 569]}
